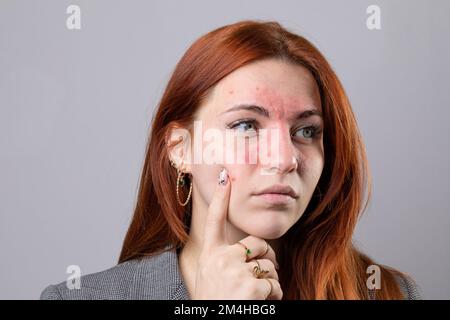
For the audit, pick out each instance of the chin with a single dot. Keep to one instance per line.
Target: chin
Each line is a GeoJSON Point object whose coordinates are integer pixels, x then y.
{"type": "Point", "coordinates": [264, 230]}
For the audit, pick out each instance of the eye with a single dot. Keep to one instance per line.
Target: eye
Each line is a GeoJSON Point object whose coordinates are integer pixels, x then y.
{"type": "Point", "coordinates": [244, 126]}
{"type": "Point", "coordinates": [310, 132]}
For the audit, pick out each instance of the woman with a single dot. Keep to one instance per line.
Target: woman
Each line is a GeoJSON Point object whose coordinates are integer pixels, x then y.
{"type": "Point", "coordinates": [279, 227]}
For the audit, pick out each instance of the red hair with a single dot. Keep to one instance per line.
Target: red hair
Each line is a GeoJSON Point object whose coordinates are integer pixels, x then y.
{"type": "Point", "coordinates": [318, 259]}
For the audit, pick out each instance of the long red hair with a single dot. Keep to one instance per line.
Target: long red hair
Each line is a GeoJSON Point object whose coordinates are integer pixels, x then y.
{"type": "Point", "coordinates": [318, 259]}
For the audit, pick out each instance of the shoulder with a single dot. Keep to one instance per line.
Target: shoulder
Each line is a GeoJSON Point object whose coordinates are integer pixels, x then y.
{"type": "Point", "coordinates": [408, 286]}
{"type": "Point", "coordinates": [99, 285]}
{"type": "Point", "coordinates": [152, 277]}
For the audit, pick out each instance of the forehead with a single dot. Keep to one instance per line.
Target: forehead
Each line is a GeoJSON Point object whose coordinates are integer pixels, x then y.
{"type": "Point", "coordinates": [281, 87]}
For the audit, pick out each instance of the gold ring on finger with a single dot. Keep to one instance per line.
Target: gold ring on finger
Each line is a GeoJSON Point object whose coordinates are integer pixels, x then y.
{"type": "Point", "coordinates": [271, 286]}
{"type": "Point", "coordinates": [258, 272]}
{"type": "Point", "coordinates": [247, 250]}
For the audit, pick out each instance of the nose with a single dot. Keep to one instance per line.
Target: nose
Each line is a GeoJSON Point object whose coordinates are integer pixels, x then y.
{"type": "Point", "coordinates": [283, 153]}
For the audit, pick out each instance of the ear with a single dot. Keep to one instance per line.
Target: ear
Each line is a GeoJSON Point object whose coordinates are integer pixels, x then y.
{"type": "Point", "coordinates": [178, 140]}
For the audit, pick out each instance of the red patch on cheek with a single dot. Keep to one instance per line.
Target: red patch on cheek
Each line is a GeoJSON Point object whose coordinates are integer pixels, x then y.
{"type": "Point", "coordinates": [251, 153]}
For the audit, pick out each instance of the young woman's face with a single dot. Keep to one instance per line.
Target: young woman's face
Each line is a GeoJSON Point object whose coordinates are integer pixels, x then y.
{"type": "Point", "coordinates": [294, 154]}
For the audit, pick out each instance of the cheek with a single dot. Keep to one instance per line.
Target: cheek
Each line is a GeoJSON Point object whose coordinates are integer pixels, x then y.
{"type": "Point", "coordinates": [252, 152]}
{"type": "Point", "coordinates": [312, 169]}
{"type": "Point", "coordinates": [241, 151]}
{"type": "Point", "coordinates": [205, 180]}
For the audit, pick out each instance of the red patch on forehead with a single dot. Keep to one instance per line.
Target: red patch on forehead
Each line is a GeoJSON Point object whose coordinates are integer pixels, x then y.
{"type": "Point", "coordinates": [270, 100]}
{"type": "Point", "coordinates": [278, 106]}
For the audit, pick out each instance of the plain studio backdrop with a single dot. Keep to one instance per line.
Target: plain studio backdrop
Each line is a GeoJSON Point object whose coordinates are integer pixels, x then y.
{"type": "Point", "coordinates": [76, 106]}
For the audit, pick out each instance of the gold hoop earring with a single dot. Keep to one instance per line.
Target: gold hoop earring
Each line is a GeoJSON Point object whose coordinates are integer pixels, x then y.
{"type": "Point", "coordinates": [180, 181]}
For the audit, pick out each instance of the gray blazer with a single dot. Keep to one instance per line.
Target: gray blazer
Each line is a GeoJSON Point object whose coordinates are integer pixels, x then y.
{"type": "Point", "coordinates": [150, 278]}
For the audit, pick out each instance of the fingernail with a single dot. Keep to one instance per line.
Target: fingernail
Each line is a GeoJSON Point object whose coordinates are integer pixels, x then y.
{"type": "Point", "coordinates": [223, 177]}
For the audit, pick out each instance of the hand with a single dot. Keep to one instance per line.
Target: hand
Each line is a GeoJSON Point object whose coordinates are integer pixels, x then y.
{"type": "Point", "coordinates": [224, 271]}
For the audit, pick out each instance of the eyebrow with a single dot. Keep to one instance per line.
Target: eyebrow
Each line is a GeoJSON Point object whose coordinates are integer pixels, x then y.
{"type": "Point", "coordinates": [264, 112]}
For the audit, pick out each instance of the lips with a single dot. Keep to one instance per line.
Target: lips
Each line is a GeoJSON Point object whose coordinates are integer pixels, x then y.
{"type": "Point", "coordinates": [278, 189]}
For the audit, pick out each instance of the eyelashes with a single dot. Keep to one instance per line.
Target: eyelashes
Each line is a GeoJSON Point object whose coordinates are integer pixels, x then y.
{"type": "Point", "coordinates": [242, 126]}
{"type": "Point", "coordinates": [315, 131]}
{"type": "Point", "coordinates": [238, 123]}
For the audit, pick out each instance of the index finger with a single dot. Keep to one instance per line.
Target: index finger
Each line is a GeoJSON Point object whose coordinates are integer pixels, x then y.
{"type": "Point", "coordinates": [214, 229]}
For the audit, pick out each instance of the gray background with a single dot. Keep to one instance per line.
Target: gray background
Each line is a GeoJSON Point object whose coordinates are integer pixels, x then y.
{"type": "Point", "coordinates": [75, 110]}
